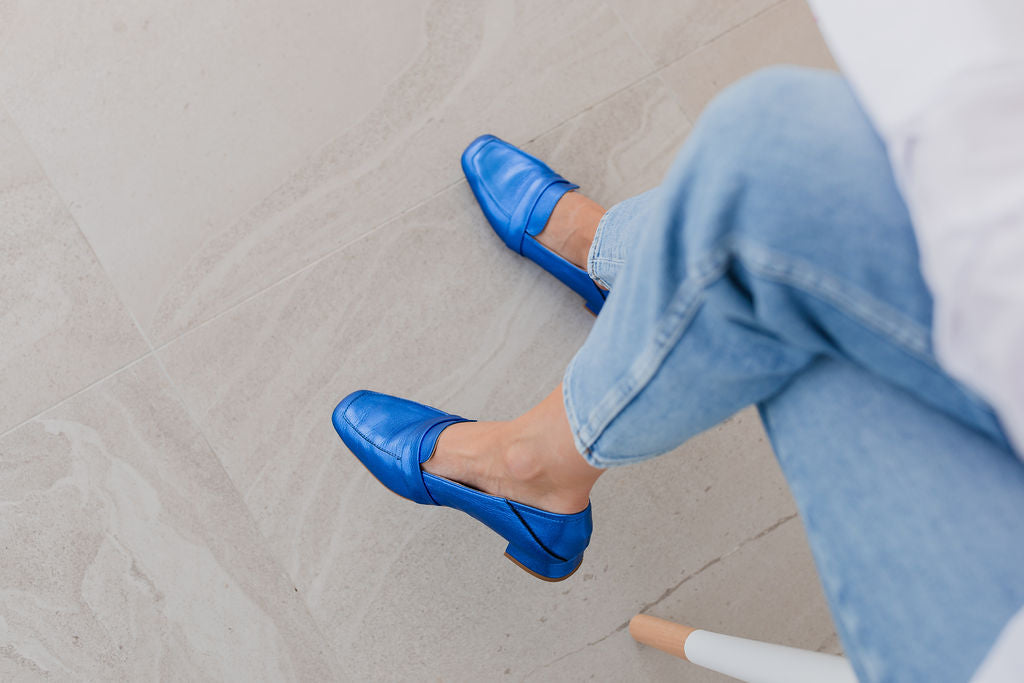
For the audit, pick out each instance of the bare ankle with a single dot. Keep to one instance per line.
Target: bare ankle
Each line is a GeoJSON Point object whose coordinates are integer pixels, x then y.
{"type": "Point", "coordinates": [522, 460]}
{"type": "Point", "coordinates": [540, 456]}
{"type": "Point", "coordinates": [531, 459]}
{"type": "Point", "coordinates": [571, 227]}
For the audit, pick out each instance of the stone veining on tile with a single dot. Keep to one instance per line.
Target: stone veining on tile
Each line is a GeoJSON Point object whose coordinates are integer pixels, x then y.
{"type": "Point", "coordinates": [513, 69]}
{"type": "Point", "coordinates": [738, 594]}
{"type": "Point", "coordinates": [433, 306]}
{"type": "Point", "coordinates": [62, 325]}
{"type": "Point", "coordinates": [641, 131]}
{"type": "Point", "coordinates": [129, 555]}
{"type": "Point", "coordinates": [667, 30]}
{"type": "Point", "coordinates": [667, 593]}
{"type": "Point", "coordinates": [275, 192]}
{"type": "Point", "coordinates": [785, 34]}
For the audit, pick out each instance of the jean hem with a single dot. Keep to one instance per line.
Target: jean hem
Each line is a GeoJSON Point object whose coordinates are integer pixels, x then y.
{"type": "Point", "coordinates": [594, 257]}
{"type": "Point", "coordinates": [590, 454]}
{"type": "Point", "coordinates": [673, 324]}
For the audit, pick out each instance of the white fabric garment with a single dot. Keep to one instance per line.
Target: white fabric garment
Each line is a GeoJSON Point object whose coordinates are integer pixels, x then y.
{"type": "Point", "coordinates": [943, 82]}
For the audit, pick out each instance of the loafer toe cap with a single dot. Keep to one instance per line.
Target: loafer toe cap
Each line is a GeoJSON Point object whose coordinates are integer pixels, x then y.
{"type": "Point", "coordinates": [385, 433]}
{"type": "Point", "coordinates": [503, 177]}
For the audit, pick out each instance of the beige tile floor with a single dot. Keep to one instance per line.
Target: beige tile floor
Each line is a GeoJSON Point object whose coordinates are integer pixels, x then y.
{"type": "Point", "coordinates": [217, 218]}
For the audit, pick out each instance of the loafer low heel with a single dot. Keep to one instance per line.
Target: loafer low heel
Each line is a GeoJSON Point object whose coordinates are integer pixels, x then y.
{"type": "Point", "coordinates": [542, 565]}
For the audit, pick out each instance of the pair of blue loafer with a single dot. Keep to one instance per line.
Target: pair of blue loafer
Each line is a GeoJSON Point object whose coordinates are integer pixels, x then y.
{"type": "Point", "coordinates": [393, 437]}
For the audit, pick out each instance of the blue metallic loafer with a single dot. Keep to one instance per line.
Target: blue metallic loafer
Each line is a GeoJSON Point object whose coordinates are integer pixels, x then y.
{"type": "Point", "coordinates": [392, 437]}
{"type": "Point", "coordinates": [517, 193]}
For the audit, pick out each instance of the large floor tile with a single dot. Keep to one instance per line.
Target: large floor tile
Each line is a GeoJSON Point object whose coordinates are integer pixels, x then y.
{"type": "Point", "coordinates": [764, 588]}
{"type": "Point", "coordinates": [655, 525]}
{"type": "Point", "coordinates": [785, 34]}
{"type": "Point", "coordinates": [667, 30]}
{"type": "Point", "coordinates": [622, 147]}
{"type": "Point", "coordinates": [62, 325]}
{"type": "Point", "coordinates": [209, 149]}
{"type": "Point", "coordinates": [129, 555]}
{"type": "Point", "coordinates": [432, 306]}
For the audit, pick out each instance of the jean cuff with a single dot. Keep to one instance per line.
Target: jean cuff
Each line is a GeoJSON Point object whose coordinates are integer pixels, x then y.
{"type": "Point", "coordinates": [601, 265]}
{"type": "Point", "coordinates": [574, 422]}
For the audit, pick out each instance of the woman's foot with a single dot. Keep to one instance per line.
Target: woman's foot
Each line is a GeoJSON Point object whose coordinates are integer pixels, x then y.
{"type": "Point", "coordinates": [393, 438]}
{"type": "Point", "coordinates": [534, 211]}
{"type": "Point", "coordinates": [531, 459]}
{"type": "Point", "coordinates": [571, 228]}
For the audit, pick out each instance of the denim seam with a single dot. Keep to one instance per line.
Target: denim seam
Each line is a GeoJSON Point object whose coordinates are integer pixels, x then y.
{"type": "Point", "coordinates": [900, 330]}
{"type": "Point", "coordinates": [862, 308]}
{"type": "Point", "coordinates": [677, 317]}
{"type": "Point", "coordinates": [573, 416]}
{"type": "Point", "coordinates": [595, 247]}
{"type": "Point", "coordinates": [592, 271]}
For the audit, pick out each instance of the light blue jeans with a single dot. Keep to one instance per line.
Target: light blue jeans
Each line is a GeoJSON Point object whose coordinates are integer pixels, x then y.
{"type": "Point", "coordinates": [777, 265]}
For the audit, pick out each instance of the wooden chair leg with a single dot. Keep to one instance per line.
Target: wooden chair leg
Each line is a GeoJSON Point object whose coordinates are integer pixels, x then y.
{"type": "Point", "coordinates": [748, 660]}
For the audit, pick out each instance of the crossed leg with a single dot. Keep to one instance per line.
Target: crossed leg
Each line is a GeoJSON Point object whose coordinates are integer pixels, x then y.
{"type": "Point", "coordinates": [777, 265]}
{"type": "Point", "coordinates": [778, 236]}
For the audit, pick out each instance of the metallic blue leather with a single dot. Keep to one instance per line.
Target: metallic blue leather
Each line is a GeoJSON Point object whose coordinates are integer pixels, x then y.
{"type": "Point", "coordinates": [517, 193]}
{"type": "Point", "coordinates": [393, 436]}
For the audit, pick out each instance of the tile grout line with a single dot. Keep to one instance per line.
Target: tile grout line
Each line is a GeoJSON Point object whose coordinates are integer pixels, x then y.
{"type": "Point", "coordinates": [388, 219]}
{"type": "Point", "coordinates": [67, 210]}
{"type": "Point", "coordinates": [153, 350]}
{"type": "Point", "coordinates": [659, 72]}
{"type": "Point", "coordinates": [175, 391]}
{"type": "Point", "coordinates": [76, 393]}
{"type": "Point", "coordinates": [267, 547]}
{"type": "Point", "coordinates": [703, 45]}
{"type": "Point", "coordinates": [739, 546]}
{"type": "Point", "coordinates": [629, 34]}
{"type": "Point", "coordinates": [590, 107]}
{"type": "Point", "coordinates": [308, 266]}
{"type": "Point", "coordinates": [670, 591]}
{"type": "Point", "coordinates": [392, 218]}
{"type": "Point", "coordinates": [656, 72]}
{"type": "Point", "coordinates": [675, 97]}
{"type": "Point", "coordinates": [66, 207]}
{"type": "Point", "coordinates": [734, 27]}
